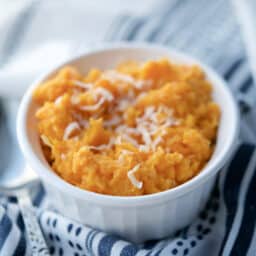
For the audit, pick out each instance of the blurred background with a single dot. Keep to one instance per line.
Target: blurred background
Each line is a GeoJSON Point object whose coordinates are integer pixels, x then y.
{"type": "Point", "coordinates": [36, 35]}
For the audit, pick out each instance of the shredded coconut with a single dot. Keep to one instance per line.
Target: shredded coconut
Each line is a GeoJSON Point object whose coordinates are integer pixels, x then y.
{"type": "Point", "coordinates": [114, 121]}
{"type": "Point", "coordinates": [104, 93]}
{"type": "Point", "coordinates": [83, 85]}
{"type": "Point", "coordinates": [45, 140]}
{"type": "Point", "coordinates": [69, 129]}
{"type": "Point", "coordinates": [129, 139]}
{"type": "Point", "coordinates": [132, 178]}
{"type": "Point", "coordinates": [63, 156]}
{"type": "Point", "coordinates": [138, 84]}
{"type": "Point", "coordinates": [101, 147]}
{"type": "Point", "coordinates": [124, 152]}
{"type": "Point", "coordinates": [141, 95]}
{"type": "Point", "coordinates": [150, 122]}
{"type": "Point", "coordinates": [75, 97]}
{"type": "Point", "coordinates": [149, 112]}
{"type": "Point", "coordinates": [82, 122]}
{"type": "Point", "coordinates": [123, 104]}
{"type": "Point", "coordinates": [93, 107]}
{"type": "Point", "coordinates": [156, 142]}
{"type": "Point", "coordinates": [58, 100]}
{"type": "Point", "coordinates": [127, 129]}
{"type": "Point", "coordinates": [118, 140]}
{"type": "Point", "coordinates": [145, 135]}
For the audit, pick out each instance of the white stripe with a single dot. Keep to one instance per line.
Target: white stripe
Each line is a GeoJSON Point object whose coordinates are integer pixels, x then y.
{"type": "Point", "coordinates": [95, 243]}
{"type": "Point", "coordinates": [148, 27]}
{"type": "Point", "coordinates": [245, 14]}
{"type": "Point", "coordinates": [11, 242]}
{"type": "Point", "coordinates": [180, 17]}
{"type": "Point", "coordinates": [219, 57]}
{"type": "Point", "coordinates": [118, 247]}
{"type": "Point", "coordinates": [240, 76]}
{"type": "Point", "coordinates": [194, 31]}
{"type": "Point", "coordinates": [223, 66]}
{"type": "Point", "coordinates": [124, 28]}
{"type": "Point", "coordinates": [247, 133]}
{"type": "Point", "coordinates": [154, 20]}
{"type": "Point", "coordinates": [241, 200]}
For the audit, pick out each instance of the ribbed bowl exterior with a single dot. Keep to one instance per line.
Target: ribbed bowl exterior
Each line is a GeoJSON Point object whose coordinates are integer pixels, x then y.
{"type": "Point", "coordinates": [135, 223]}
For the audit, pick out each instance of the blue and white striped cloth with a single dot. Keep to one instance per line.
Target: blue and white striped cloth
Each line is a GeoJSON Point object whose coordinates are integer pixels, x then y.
{"type": "Point", "coordinates": [205, 29]}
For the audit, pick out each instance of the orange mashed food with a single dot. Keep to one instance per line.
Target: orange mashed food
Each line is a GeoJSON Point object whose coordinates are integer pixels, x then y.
{"type": "Point", "coordinates": [138, 129]}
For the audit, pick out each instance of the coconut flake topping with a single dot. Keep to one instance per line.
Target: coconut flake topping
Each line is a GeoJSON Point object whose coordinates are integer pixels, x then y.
{"type": "Point", "coordinates": [93, 107]}
{"type": "Point", "coordinates": [116, 76]}
{"type": "Point", "coordinates": [83, 85]}
{"type": "Point", "coordinates": [58, 100]}
{"type": "Point", "coordinates": [101, 147]}
{"type": "Point", "coordinates": [45, 140]}
{"type": "Point", "coordinates": [105, 96]}
{"type": "Point", "coordinates": [132, 178]}
{"type": "Point", "coordinates": [69, 129]}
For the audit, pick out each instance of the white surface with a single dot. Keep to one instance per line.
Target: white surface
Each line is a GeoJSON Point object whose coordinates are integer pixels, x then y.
{"type": "Point", "coordinates": [141, 217]}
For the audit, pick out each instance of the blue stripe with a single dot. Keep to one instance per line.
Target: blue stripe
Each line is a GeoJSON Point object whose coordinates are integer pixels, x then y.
{"type": "Point", "coordinates": [129, 250]}
{"type": "Point", "coordinates": [137, 25]}
{"type": "Point", "coordinates": [247, 227]}
{"type": "Point", "coordinates": [115, 28]}
{"type": "Point", "coordinates": [156, 31]}
{"type": "Point", "coordinates": [232, 185]}
{"type": "Point", "coordinates": [21, 247]}
{"type": "Point", "coordinates": [20, 222]}
{"type": "Point", "coordinates": [88, 239]}
{"type": "Point", "coordinates": [106, 244]}
{"type": "Point", "coordinates": [233, 68]}
{"type": "Point", "coordinates": [39, 196]}
{"type": "Point", "coordinates": [5, 229]}
{"type": "Point", "coordinates": [244, 106]}
{"type": "Point", "coordinates": [158, 253]}
{"type": "Point", "coordinates": [193, 21]}
{"type": "Point", "coordinates": [183, 20]}
{"type": "Point", "coordinates": [91, 240]}
{"type": "Point", "coordinates": [247, 84]}
{"type": "Point", "coordinates": [150, 244]}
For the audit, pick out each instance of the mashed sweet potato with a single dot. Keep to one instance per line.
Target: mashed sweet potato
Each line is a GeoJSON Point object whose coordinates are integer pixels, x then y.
{"type": "Point", "coordinates": [134, 130]}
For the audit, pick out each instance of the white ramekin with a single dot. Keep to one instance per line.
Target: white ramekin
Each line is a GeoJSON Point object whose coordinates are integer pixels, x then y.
{"type": "Point", "coordinates": [142, 217]}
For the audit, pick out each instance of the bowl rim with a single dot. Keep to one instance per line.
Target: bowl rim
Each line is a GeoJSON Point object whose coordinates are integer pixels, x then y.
{"type": "Point", "coordinates": [126, 201]}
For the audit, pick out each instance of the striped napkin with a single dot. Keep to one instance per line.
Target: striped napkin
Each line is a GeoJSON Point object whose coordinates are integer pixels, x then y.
{"type": "Point", "coordinates": [205, 29]}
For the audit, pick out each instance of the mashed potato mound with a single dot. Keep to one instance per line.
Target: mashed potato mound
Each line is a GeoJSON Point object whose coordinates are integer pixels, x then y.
{"type": "Point", "coordinates": [138, 129]}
